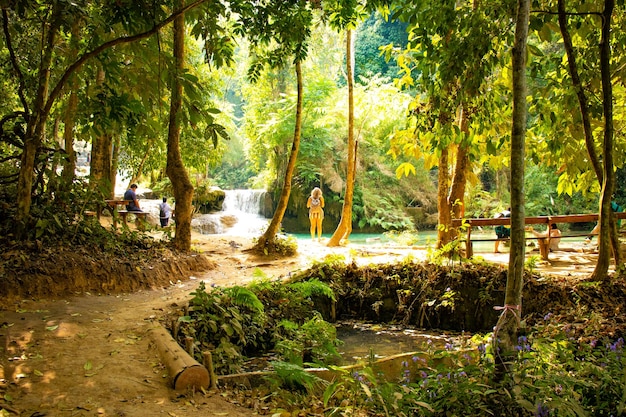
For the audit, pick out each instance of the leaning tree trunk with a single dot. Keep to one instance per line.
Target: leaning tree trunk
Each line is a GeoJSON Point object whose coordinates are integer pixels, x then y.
{"type": "Point", "coordinates": [183, 190]}
{"type": "Point", "coordinates": [608, 185]}
{"type": "Point", "coordinates": [265, 241]}
{"type": "Point", "coordinates": [505, 332]}
{"type": "Point", "coordinates": [589, 139]}
{"type": "Point", "coordinates": [580, 93]}
{"type": "Point", "coordinates": [344, 228]}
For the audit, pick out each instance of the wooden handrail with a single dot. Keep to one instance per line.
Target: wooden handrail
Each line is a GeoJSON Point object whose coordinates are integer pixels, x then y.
{"type": "Point", "coordinates": [506, 221]}
{"type": "Point", "coordinates": [561, 218]}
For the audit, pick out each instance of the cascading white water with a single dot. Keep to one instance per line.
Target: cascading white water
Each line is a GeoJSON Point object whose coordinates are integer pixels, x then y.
{"type": "Point", "coordinates": [240, 215]}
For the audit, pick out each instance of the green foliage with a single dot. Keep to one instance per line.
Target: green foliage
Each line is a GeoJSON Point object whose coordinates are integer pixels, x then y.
{"type": "Point", "coordinates": [293, 377]}
{"type": "Point", "coordinates": [542, 198]}
{"type": "Point", "coordinates": [225, 320]}
{"type": "Point", "coordinates": [404, 238]}
{"type": "Point", "coordinates": [314, 341]}
{"type": "Point", "coordinates": [550, 375]}
{"type": "Point", "coordinates": [284, 245]}
{"type": "Point", "coordinates": [447, 254]}
{"type": "Point", "coordinates": [313, 288]}
{"type": "Point", "coordinates": [208, 198]}
{"type": "Point", "coordinates": [266, 316]}
{"type": "Point", "coordinates": [58, 219]}
{"type": "Point", "coordinates": [370, 36]}
{"type": "Point", "coordinates": [531, 262]}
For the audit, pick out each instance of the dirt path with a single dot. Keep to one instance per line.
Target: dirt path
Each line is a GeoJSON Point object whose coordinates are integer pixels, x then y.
{"type": "Point", "coordinates": [90, 355]}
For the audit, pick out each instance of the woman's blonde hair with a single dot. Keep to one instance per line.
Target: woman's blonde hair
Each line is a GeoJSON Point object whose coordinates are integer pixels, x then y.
{"type": "Point", "coordinates": [316, 193]}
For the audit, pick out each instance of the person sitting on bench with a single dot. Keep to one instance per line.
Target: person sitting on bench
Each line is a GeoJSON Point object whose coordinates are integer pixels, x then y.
{"type": "Point", "coordinates": [555, 236]}
{"type": "Point", "coordinates": [131, 196]}
{"type": "Point", "coordinates": [502, 231]}
{"type": "Point", "coordinates": [616, 209]}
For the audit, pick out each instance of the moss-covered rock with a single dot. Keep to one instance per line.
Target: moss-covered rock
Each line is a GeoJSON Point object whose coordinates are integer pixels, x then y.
{"type": "Point", "coordinates": [208, 199]}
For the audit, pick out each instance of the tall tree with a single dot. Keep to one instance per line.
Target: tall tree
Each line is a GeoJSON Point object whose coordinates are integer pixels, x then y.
{"type": "Point", "coordinates": [183, 189]}
{"type": "Point", "coordinates": [599, 167]}
{"type": "Point", "coordinates": [345, 16]}
{"type": "Point", "coordinates": [505, 332]}
{"type": "Point", "coordinates": [266, 240]}
{"type": "Point", "coordinates": [344, 228]}
{"type": "Point", "coordinates": [69, 118]}
{"type": "Point", "coordinates": [452, 61]}
{"type": "Point", "coordinates": [281, 31]}
{"type": "Point", "coordinates": [608, 183]}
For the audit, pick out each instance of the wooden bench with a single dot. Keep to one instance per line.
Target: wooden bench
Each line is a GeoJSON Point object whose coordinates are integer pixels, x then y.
{"type": "Point", "coordinates": [544, 242]}
{"type": "Point", "coordinates": [141, 218]}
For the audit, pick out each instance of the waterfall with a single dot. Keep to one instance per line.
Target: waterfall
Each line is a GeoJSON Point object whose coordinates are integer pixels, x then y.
{"type": "Point", "coordinates": [240, 215]}
{"type": "Point", "coordinates": [244, 201]}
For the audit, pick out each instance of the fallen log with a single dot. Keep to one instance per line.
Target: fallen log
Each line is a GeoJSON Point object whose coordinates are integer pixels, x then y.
{"type": "Point", "coordinates": [184, 371]}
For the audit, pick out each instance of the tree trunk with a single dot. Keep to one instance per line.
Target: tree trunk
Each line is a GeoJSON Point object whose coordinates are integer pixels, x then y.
{"type": "Point", "coordinates": [580, 92]}
{"type": "Point", "coordinates": [269, 236]}
{"type": "Point", "coordinates": [505, 332]}
{"type": "Point", "coordinates": [461, 168]}
{"type": "Point", "coordinates": [115, 157]}
{"type": "Point", "coordinates": [183, 190]}
{"type": "Point", "coordinates": [344, 228]}
{"type": "Point", "coordinates": [35, 128]}
{"type": "Point", "coordinates": [69, 167]}
{"type": "Point", "coordinates": [101, 147]}
{"type": "Point", "coordinates": [608, 186]}
{"type": "Point", "coordinates": [453, 202]}
{"type": "Point", "coordinates": [444, 215]}
{"type": "Point", "coordinates": [100, 164]}
{"type": "Point", "coordinates": [139, 172]}
{"type": "Point", "coordinates": [69, 118]}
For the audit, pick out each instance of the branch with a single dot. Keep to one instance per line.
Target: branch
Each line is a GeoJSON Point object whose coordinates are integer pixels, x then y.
{"type": "Point", "coordinates": [11, 141]}
{"type": "Point", "coordinates": [107, 45]}
{"type": "Point", "coordinates": [8, 179]}
{"type": "Point", "coordinates": [7, 159]}
{"type": "Point", "coordinates": [16, 68]}
{"type": "Point", "coordinates": [568, 13]}
{"type": "Point", "coordinates": [6, 137]}
{"type": "Point", "coordinates": [10, 116]}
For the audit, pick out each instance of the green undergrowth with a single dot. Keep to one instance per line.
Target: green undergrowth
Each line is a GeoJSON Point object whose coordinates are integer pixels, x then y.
{"type": "Point", "coordinates": [551, 375]}
{"type": "Point", "coordinates": [569, 361]}
{"type": "Point", "coordinates": [265, 316]}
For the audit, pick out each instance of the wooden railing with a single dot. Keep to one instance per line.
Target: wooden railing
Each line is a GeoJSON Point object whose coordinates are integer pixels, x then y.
{"type": "Point", "coordinates": [506, 221]}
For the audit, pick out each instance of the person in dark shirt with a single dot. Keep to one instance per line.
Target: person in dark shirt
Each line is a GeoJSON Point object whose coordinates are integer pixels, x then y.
{"type": "Point", "coordinates": [502, 231]}
{"type": "Point", "coordinates": [131, 196]}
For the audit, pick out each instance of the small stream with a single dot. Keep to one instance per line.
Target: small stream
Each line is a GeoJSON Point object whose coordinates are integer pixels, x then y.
{"type": "Point", "coordinates": [362, 341]}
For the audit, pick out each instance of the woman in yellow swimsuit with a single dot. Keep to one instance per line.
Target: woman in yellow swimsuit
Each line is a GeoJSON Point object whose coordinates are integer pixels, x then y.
{"type": "Point", "coordinates": [315, 204]}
